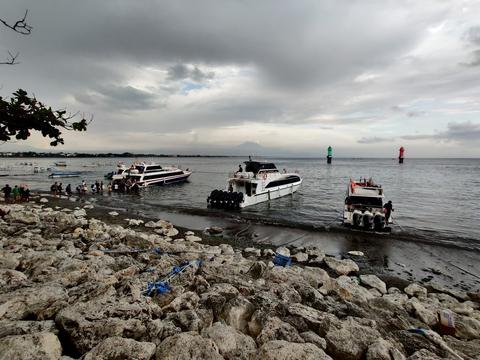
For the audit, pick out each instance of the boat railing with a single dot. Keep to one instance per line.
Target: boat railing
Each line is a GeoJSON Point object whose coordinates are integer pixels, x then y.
{"type": "Point", "coordinates": [241, 175]}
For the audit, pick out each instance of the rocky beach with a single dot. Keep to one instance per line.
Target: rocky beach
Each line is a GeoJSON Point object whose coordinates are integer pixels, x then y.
{"type": "Point", "coordinates": [74, 284]}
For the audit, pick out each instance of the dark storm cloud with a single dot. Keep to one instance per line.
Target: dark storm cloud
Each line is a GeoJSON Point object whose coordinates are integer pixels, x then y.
{"type": "Point", "coordinates": [182, 72]}
{"type": "Point", "coordinates": [475, 59]}
{"type": "Point", "coordinates": [462, 132]}
{"type": "Point", "coordinates": [294, 44]}
{"type": "Point", "coordinates": [332, 63]}
{"type": "Point", "coordinates": [119, 97]}
{"type": "Point", "coordinates": [473, 35]}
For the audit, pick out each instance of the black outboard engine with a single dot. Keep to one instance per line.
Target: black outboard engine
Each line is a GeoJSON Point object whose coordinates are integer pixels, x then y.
{"type": "Point", "coordinates": [220, 199]}
{"type": "Point", "coordinates": [368, 221]}
{"type": "Point", "coordinates": [379, 222]}
{"type": "Point", "coordinates": [357, 219]}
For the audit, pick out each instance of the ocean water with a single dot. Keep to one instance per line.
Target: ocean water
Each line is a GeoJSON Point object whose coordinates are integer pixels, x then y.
{"type": "Point", "coordinates": [435, 200]}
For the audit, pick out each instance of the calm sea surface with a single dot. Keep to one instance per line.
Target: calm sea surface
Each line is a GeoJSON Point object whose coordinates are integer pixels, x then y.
{"type": "Point", "coordinates": [434, 199]}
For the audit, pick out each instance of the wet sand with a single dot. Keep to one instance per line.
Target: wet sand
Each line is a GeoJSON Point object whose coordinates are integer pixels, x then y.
{"type": "Point", "coordinates": [393, 259]}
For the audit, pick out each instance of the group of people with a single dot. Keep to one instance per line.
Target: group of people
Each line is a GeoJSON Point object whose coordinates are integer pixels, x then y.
{"type": "Point", "coordinates": [126, 185]}
{"type": "Point", "coordinates": [98, 187]}
{"type": "Point", "coordinates": [17, 193]}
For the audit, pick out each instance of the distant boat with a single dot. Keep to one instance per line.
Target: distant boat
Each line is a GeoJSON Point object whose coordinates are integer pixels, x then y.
{"type": "Point", "coordinates": [61, 163]}
{"type": "Point", "coordinates": [64, 174]}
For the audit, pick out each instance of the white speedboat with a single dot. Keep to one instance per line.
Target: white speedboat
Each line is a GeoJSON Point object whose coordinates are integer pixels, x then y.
{"type": "Point", "coordinates": [144, 174]}
{"type": "Point", "coordinates": [363, 207]}
{"type": "Point", "coordinates": [261, 181]}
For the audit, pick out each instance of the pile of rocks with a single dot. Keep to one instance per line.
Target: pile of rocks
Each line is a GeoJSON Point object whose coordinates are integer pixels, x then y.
{"type": "Point", "coordinates": [70, 286]}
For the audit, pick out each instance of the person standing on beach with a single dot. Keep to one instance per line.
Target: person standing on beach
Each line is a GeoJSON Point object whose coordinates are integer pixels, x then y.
{"type": "Point", "coordinates": [68, 189]}
{"type": "Point", "coordinates": [388, 208]}
{"type": "Point", "coordinates": [16, 193]}
{"type": "Point", "coordinates": [7, 191]}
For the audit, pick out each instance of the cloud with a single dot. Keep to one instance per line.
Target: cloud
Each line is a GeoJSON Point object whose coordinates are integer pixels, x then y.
{"type": "Point", "coordinates": [340, 70]}
{"type": "Point", "coordinates": [375, 140]}
{"type": "Point", "coordinates": [462, 132]}
{"type": "Point", "coordinates": [182, 72]}
{"type": "Point", "coordinates": [473, 35]}
{"type": "Point", "coordinates": [119, 97]}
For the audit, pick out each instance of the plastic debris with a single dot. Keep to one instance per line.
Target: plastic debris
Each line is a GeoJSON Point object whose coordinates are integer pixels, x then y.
{"type": "Point", "coordinates": [282, 260]}
{"type": "Point", "coordinates": [163, 286]}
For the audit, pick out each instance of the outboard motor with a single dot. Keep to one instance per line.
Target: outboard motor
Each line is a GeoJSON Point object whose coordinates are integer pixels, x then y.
{"type": "Point", "coordinates": [221, 199]}
{"type": "Point", "coordinates": [357, 218]}
{"type": "Point", "coordinates": [379, 221]}
{"type": "Point", "coordinates": [368, 220]}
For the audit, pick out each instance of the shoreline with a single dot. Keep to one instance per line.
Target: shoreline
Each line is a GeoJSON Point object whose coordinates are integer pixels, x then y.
{"type": "Point", "coordinates": [74, 279]}
{"type": "Point", "coordinates": [426, 262]}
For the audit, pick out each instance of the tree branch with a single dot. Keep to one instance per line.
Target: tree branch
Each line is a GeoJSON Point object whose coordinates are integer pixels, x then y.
{"type": "Point", "coordinates": [11, 59]}
{"type": "Point", "coordinates": [21, 26]}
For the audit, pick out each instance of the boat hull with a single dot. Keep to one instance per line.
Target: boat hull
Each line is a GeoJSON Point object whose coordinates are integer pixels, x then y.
{"type": "Point", "coordinates": [168, 180]}
{"type": "Point", "coordinates": [54, 176]}
{"type": "Point", "coordinates": [271, 194]}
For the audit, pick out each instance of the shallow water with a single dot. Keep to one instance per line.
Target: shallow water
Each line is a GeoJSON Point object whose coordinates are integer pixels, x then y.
{"type": "Point", "coordinates": [435, 200]}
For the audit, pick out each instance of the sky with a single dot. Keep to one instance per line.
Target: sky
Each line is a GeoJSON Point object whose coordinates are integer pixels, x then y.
{"type": "Point", "coordinates": [254, 77]}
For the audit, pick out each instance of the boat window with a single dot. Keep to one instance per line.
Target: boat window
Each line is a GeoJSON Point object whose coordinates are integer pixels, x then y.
{"type": "Point", "coordinates": [254, 188]}
{"type": "Point", "coordinates": [159, 176]}
{"type": "Point", "coordinates": [248, 188]}
{"type": "Point", "coordinates": [255, 167]}
{"type": "Point", "coordinates": [288, 180]}
{"type": "Point", "coordinates": [365, 201]}
{"type": "Point", "coordinates": [153, 168]}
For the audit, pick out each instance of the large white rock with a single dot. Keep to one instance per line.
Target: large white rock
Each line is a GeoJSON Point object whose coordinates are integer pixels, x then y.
{"type": "Point", "coordinates": [237, 313]}
{"type": "Point", "coordinates": [284, 350]}
{"type": "Point", "coordinates": [121, 348]}
{"type": "Point", "coordinates": [193, 238]}
{"type": "Point", "coordinates": [38, 346]}
{"type": "Point", "coordinates": [187, 345]}
{"type": "Point", "coordinates": [374, 282]}
{"type": "Point", "coordinates": [231, 343]}
{"type": "Point", "coordinates": [415, 290]}
{"type": "Point", "coordinates": [351, 341]}
{"type": "Point", "coordinates": [341, 267]}
{"type": "Point", "coordinates": [276, 329]}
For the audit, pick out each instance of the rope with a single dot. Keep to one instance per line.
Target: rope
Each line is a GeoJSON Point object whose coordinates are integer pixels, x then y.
{"type": "Point", "coordinates": [395, 222]}
{"type": "Point", "coordinates": [161, 286]}
{"type": "Point", "coordinates": [437, 339]}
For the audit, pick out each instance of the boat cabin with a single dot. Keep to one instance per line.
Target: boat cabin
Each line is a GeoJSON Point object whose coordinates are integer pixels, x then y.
{"type": "Point", "coordinates": [255, 167]}
{"type": "Point", "coordinates": [363, 194]}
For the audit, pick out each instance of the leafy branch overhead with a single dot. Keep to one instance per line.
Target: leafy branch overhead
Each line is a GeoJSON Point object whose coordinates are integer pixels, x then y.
{"type": "Point", "coordinates": [20, 26]}
{"type": "Point", "coordinates": [23, 114]}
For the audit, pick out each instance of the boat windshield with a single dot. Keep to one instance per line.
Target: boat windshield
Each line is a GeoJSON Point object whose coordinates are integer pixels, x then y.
{"type": "Point", "coordinates": [364, 201]}
{"type": "Point", "coordinates": [255, 166]}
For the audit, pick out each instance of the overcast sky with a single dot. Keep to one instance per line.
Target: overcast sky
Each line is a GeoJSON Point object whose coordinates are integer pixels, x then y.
{"type": "Point", "coordinates": [291, 76]}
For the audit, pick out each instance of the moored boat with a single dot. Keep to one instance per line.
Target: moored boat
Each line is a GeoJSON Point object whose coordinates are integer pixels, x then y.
{"type": "Point", "coordinates": [61, 163]}
{"type": "Point", "coordinates": [260, 182]}
{"type": "Point", "coordinates": [364, 207]}
{"type": "Point", "coordinates": [145, 174]}
{"type": "Point", "coordinates": [64, 174]}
